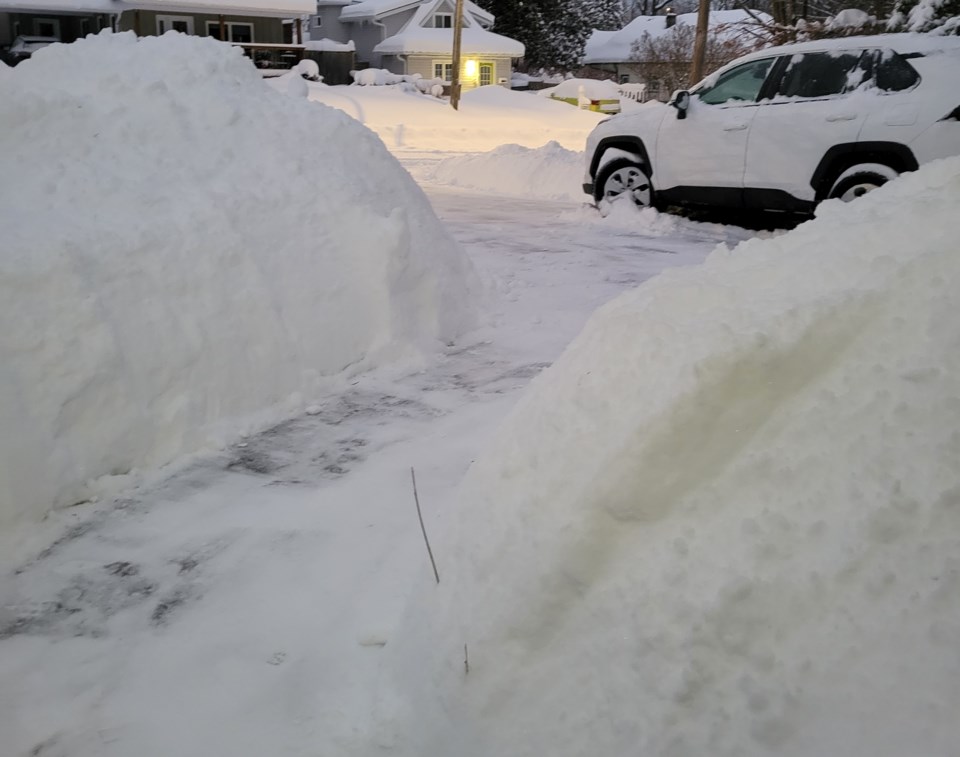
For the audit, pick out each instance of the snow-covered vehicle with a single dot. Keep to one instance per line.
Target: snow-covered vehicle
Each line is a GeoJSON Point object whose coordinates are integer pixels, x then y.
{"type": "Point", "coordinates": [787, 127]}
{"type": "Point", "coordinates": [24, 46]}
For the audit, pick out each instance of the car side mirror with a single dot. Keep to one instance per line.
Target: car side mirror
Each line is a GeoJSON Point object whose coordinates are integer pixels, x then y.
{"type": "Point", "coordinates": [681, 101]}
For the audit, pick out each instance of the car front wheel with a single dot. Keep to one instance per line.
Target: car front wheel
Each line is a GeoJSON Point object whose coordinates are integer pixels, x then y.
{"type": "Point", "coordinates": [858, 180]}
{"type": "Point", "coordinates": [621, 177]}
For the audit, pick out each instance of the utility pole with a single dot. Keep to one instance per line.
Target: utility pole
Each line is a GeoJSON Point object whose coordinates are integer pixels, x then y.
{"type": "Point", "coordinates": [455, 72]}
{"type": "Point", "coordinates": [700, 44]}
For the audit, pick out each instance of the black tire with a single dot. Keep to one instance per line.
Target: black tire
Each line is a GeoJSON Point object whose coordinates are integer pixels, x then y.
{"type": "Point", "coordinates": [857, 181]}
{"type": "Point", "coordinates": [624, 175]}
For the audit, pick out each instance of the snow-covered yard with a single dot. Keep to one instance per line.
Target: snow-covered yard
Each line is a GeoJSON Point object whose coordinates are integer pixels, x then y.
{"type": "Point", "coordinates": [717, 513]}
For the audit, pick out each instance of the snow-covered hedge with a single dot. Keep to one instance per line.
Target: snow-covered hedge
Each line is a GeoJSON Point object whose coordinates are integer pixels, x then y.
{"type": "Point", "coordinates": [181, 247]}
{"type": "Point", "coordinates": [381, 77]}
{"type": "Point", "coordinates": [727, 521]}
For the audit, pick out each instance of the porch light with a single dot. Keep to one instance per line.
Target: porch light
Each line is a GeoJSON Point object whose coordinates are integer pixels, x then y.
{"type": "Point", "coordinates": [471, 69]}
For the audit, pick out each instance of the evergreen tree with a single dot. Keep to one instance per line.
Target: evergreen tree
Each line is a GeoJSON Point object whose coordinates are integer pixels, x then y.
{"type": "Point", "coordinates": [554, 32]}
{"type": "Point", "coordinates": [937, 16]}
{"type": "Point", "coordinates": [606, 15]}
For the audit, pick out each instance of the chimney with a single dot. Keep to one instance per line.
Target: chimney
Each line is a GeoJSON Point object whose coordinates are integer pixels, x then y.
{"type": "Point", "coordinates": [671, 17]}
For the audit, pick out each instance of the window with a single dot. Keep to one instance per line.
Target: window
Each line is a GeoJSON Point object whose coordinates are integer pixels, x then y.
{"type": "Point", "coordinates": [486, 74]}
{"type": "Point", "coordinates": [740, 84]}
{"type": "Point", "coordinates": [820, 75]}
{"type": "Point", "coordinates": [47, 27]}
{"type": "Point", "coordinates": [237, 33]}
{"type": "Point", "coordinates": [442, 70]}
{"type": "Point", "coordinates": [317, 22]}
{"type": "Point", "coordinates": [183, 24]}
{"type": "Point", "coordinates": [888, 71]}
{"type": "Point", "coordinates": [443, 21]}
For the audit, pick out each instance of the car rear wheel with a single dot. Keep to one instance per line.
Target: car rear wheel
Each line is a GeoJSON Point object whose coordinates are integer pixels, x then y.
{"type": "Point", "coordinates": [858, 180]}
{"type": "Point", "coordinates": [621, 177]}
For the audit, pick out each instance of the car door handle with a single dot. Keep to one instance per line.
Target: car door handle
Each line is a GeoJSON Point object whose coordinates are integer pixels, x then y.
{"type": "Point", "coordinates": [735, 127]}
{"type": "Point", "coordinates": [842, 117]}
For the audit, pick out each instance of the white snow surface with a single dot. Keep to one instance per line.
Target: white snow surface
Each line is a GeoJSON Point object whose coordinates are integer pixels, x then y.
{"type": "Point", "coordinates": [726, 521]}
{"type": "Point", "coordinates": [592, 89]}
{"type": "Point", "coordinates": [488, 118]}
{"type": "Point", "coordinates": [162, 287]}
{"type": "Point", "coordinates": [550, 172]}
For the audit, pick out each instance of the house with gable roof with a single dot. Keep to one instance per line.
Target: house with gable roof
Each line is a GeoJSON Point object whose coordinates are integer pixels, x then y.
{"type": "Point", "coordinates": [416, 37]}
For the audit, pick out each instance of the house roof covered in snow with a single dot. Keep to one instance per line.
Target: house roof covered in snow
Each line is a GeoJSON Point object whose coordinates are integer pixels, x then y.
{"type": "Point", "coordinates": [250, 7]}
{"type": "Point", "coordinates": [474, 41]}
{"type": "Point", "coordinates": [366, 9]}
{"type": "Point", "coordinates": [417, 37]}
{"type": "Point", "coordinates": [615, 47]}
{"type": "Point", "coordinates": [60, 6]}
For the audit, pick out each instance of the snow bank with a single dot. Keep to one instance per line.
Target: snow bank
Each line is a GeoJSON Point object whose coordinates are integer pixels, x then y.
{"type": "Point", "coordinates": [592, 89]}
{"type": "Point", "coordinates": [488, 118]}
{"type": "Point", "coordinates": [183, 247]}
{"type": "Point", "coordinates": [549, 172]}
{"type": "Point", "coordinates": [726, 521]}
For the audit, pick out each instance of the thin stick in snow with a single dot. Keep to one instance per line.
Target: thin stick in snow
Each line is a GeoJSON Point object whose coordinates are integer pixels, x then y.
{"type": "Point", "coordinates": [413, 478]}
{"type": "Point", "coordinates": [466, 661]}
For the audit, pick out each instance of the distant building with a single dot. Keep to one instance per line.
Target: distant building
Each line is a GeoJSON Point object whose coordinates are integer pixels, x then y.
{"type": "Point", "coordinates": [613, 55]}
{"type": "Point", "coordinates": [416, 37]}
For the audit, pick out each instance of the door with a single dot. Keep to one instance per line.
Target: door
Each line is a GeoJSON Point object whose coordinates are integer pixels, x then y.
{"type": "Point", "coordinates": [707, 149]}
{"type": "Point", "coordinates": [814, 106]}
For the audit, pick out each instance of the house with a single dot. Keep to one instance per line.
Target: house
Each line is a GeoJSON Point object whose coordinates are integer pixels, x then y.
{"type": "Point", "coordinates": [657, 50]}
{"type": "Point", "coordinates": [416, 37]}
{"type": "Point", "coordinates": [255, 24]}
{"type": "Point", "coordinates": [61, 20]}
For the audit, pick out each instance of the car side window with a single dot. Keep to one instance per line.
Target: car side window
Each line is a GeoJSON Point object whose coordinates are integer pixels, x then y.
{"type": "Point", "coordinates": [742, 83]}
{"type": "Point", "coordinates": [820, 75]}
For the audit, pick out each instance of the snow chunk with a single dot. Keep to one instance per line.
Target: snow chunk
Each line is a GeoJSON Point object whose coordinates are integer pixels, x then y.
{"type": "Point", "coordinates": [184, 247]}
{"type": "Point", "coordinates": [727, 520]}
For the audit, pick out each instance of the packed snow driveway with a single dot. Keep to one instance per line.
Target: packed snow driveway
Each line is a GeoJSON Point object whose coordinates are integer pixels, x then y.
{"type": "Point", "coordinates": [240, 607]}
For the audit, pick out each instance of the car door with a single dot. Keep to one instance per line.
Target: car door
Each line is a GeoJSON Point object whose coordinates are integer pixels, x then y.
{"type": "Point", "coordinates": [814, 106]}
{"type": "Point", "coordinates": [700, 157]}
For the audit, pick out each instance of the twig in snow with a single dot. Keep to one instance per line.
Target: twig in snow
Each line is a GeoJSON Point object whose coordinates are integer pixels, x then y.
{"type": "Point", "coordinates": [466, 661]}
{"type": "Point", "coordinates": [413, 478]}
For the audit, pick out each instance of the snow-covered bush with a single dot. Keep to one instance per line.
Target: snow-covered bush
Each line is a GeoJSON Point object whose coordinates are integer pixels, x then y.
{"type": "Point", "coordinates": [726, 521]}
{"type": "Point", "coordinates": [171, 261]}
{"type": "Point", "coordinates": [936, 16]}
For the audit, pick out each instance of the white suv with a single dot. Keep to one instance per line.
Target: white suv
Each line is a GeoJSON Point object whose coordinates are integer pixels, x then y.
{"type": "Point", "coordinates": [786, 127]}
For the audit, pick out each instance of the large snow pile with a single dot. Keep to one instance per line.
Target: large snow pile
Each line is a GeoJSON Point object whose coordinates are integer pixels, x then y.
{"type": "Point", "coordinates": [727, 521]}
{"type": "Point", "coordinates": [549, 172]}
{"type": "Point", "coordinates": [182, 247]}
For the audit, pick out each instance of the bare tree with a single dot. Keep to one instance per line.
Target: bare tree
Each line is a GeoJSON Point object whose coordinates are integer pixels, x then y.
{"type": "Point", "coordinates": [666, 58]}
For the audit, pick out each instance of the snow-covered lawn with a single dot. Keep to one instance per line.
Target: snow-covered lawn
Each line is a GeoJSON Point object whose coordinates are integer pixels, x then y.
{"type": "Point", "coordinates": [715, 514]}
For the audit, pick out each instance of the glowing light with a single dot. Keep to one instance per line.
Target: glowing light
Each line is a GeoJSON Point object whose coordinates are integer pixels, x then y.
{"type": "Point", "coordinates": [471, 69]}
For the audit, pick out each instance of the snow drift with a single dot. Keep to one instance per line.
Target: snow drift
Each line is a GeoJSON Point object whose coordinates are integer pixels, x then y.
{"type": "Point", "coordinates": [550, 172]}
{"type": "Point", "coordinates": [182, 247]}
{"type": "Point", "coordinates": [726, 521]}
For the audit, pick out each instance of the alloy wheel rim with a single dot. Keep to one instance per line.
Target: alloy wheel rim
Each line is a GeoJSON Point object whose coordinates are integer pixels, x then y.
{"type": "Point", "coordinates": [628, 180]}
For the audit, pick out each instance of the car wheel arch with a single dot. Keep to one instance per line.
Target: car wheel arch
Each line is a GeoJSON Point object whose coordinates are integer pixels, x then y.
{"type": "Point", "coordinates": [612, 148]}
{"type": "Point", "coordinates": [841, 158]}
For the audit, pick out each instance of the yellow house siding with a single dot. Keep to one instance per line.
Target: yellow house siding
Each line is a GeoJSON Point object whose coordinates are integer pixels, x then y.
{"type": "Point", "coordinates": [423, 65]}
